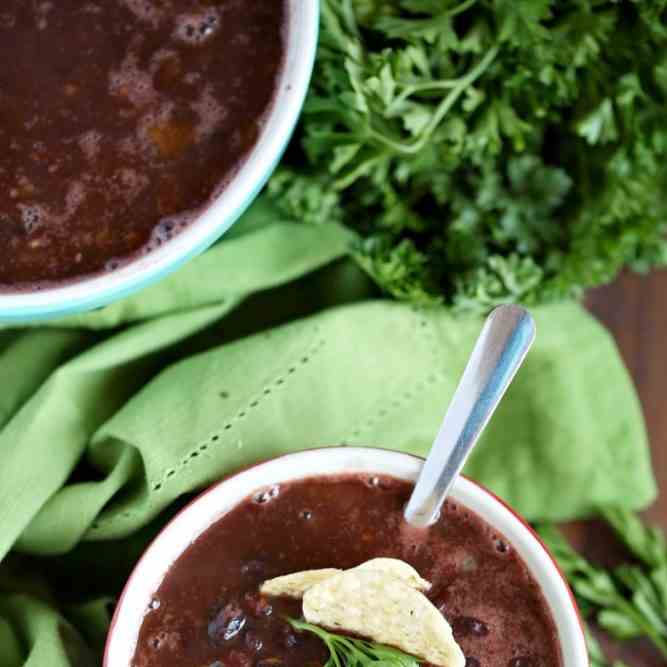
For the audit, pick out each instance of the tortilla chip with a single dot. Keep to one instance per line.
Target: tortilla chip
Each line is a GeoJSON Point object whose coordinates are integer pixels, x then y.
{"type": "Point", "coordinates": [385, 610]}
{"type": "Point", "coordinates": [296, 584]}
{"type": "Point", "coordinates": [399, 570]}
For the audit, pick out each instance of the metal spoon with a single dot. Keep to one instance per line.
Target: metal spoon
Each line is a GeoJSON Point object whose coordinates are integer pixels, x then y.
{"type": "Point", "coordinates": [502, 346]}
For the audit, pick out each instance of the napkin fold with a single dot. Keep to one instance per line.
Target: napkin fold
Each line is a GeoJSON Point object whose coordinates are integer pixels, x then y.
{"type": "Point", "coordinates": [270, 342]}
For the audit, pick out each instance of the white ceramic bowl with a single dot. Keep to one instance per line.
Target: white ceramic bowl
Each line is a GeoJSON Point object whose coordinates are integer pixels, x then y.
{"type": "Point", "coordinates": [221, 498]}
{"type": "Point", "coordinates": [87, 293]}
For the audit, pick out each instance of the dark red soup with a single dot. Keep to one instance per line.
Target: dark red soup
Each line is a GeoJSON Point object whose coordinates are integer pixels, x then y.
{"type": "Point", "coordinates": [120, 120]}
{"type": "Point", "coordinates": [208, 612]}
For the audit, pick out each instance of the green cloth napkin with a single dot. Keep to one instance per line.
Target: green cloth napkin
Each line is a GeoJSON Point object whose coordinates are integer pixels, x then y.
{"type": "Point", "coordinates": [270, 342]}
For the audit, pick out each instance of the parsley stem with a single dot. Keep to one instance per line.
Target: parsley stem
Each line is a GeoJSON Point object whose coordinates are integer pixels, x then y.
{"type": "Point", "coordinates": [462, 7]}
{"type": "Point", "coordinates": [654, 635]}
{"type": "Point", "coordinates": [417, 88]}
{"type": "Point", "coordinates": [450, 100]}
{"type": "Point", "coordinates": [362, 169]}
{"type": "Point", "coordinates": [441, 111]}
{"type": "Point", "coordinates": [333, 27]}
{"type": "Point", "coordinates": [350, 17]}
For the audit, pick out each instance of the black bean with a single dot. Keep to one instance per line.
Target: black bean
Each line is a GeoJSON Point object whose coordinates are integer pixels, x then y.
{"type": "Point", "coordinates": [253, 567]}
{"type": "Point", "coordinates": [227, 623]}
{"type": "Point", "coordinates": [253, 642]}
{"type": "Point", "coordinates": [467, 626]}
{"type": "Point", "coordinates": [522, 661]}
{"type": "Point", "coordinates": [502, 546]}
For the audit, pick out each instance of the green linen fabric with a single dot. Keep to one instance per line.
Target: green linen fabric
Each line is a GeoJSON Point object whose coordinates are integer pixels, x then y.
{"type": "Point", "coordinates": [270, 342]}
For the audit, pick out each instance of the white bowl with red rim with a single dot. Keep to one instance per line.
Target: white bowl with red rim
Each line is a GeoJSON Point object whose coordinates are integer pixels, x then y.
{"type": "Point", "coordinates": [217, 501]}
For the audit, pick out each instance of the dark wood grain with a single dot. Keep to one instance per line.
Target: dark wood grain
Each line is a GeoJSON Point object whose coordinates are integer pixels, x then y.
{"type": "Point", "coordinates": [634, 309]}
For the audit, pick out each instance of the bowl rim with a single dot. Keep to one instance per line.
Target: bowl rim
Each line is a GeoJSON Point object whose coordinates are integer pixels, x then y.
{"type": "Point", "coordinates": [571, 610]}
{"type": "Point", "coordinates": [99, 290]}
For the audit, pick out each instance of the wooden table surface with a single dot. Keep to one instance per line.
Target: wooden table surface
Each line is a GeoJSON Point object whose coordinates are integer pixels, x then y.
{"type": "Point", "coordinates": [635, 311]}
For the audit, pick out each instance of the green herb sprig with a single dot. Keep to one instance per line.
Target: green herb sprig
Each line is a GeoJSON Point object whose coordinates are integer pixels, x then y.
{"type": "Point", "coordinates": [348, 652]}
{"type": "Point", "coordinates": [629, 601]}
{"type": "Point", "coordinates": [596, 654]}
{"type": "Point", "coordinates": [487, 151]}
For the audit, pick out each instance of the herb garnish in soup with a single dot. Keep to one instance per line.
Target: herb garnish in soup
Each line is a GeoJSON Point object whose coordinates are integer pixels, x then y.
{"type": "Point", "coordinates": [120, 120]}
{"type": "Point", "coordinates": [228, 602]}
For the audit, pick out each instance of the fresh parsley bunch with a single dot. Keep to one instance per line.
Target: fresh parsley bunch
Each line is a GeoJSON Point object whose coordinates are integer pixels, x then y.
{"type": "Point", "coordinates": [487, 150]}
{"type": "Point", "coordinates": [630, 601]}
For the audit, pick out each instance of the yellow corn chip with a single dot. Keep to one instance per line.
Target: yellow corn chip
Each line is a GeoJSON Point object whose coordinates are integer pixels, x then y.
{"type": "Point", "coordinates": [296, 584]}
{"type": "Point", "coordinates": [385, 610]}
{"type": "Point", "coordinates": [398, 569]}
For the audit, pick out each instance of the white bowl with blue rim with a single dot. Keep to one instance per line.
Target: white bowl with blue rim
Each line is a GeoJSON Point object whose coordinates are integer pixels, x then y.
{"type": "Point", "coordinates": [100, 290]}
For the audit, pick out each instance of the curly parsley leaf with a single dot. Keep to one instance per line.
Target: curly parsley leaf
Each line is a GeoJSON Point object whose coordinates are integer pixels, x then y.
{"type": "Point", "coordinates": [348, 652]}
{"type": "Point", "coordinates": [627, 602]}
{"type": "Point", "coordinates": [487, 150]}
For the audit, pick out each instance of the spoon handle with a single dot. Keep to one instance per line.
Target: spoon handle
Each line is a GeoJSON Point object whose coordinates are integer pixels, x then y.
{"type": "Point", "coordinates": [499, 352]}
